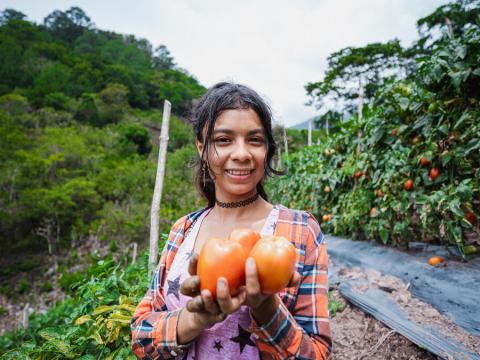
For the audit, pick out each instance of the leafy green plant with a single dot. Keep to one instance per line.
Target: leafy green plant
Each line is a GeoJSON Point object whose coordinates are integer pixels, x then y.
{"type": "Point", "coordinates": [94, 322]}
{"type": "Point", "coordinates": [22, 286]}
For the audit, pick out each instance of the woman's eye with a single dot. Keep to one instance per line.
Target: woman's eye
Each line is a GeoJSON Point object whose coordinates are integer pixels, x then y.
{"type": "Point", "coordinates": [222, 140]}
{"type": "Point", "coordinates": [257, 140]}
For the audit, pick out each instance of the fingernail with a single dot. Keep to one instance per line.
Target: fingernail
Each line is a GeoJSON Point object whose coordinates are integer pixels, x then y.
{"type": "Point", "coordinates": [198, 301]}
{"type": "Point", "coordinates": [222, 283]}
{"type": "Point", "coordinates": [250, 263]}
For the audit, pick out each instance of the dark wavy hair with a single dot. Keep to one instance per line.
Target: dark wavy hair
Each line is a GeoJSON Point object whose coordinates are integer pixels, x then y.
{"type": "Point", "coordinates": [228, 96]}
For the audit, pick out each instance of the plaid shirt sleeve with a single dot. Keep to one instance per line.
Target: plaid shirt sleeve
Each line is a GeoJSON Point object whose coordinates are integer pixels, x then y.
{"type": "Point", "coordinates": [300, 327]}
{"type": "Point", "coordinates": [153, 327]}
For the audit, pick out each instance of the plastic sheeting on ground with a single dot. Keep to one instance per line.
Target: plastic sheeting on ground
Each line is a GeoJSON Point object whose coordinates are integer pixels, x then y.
{"type": "Point", "coordinates": [454, 290]}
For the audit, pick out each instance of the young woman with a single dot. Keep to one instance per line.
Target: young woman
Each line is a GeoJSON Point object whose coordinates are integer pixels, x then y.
{"type": "Point", "coordinates": [175, 320]}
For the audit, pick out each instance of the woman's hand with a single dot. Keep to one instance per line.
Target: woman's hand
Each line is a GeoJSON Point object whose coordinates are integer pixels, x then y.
{"type": "Point", "coordinates": [254, 296]}
{"type": "Point", "coordinates": [207, 311]}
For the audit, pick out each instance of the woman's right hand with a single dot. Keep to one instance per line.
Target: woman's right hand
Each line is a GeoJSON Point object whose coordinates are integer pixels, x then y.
{"type": "Point", "coordinates": [202, 309]}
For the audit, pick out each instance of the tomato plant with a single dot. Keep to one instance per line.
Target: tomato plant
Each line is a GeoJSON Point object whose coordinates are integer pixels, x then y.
{"type": "Point", "coordinates": [435, 147]}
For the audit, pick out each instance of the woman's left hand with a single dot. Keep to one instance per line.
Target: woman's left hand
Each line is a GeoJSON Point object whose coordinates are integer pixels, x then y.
{"type": "Point", "coordinates": [250, 294]}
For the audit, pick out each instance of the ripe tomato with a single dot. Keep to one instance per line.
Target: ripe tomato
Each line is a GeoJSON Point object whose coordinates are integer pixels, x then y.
{"type": "Point", "coordinates": [424, 161]}
{"type": "Point", "coordinates": [408, 185]}
{"type": "Point", "coordinates": [246, 237]}
{"type": "Point", "coordinates": [470, 216]}
{"type": "Point", "coordinates": [326, 217]}
{"type": "Point", "coordinates": [435, 260]}
{"type": "Point", "coordinates": [275, 258]}
{"type": "Point", "coordinates": [394, 132]}
{"type": "Point", "coordinates": [357, 174]}
{"type": "Point", "coordinates": [434, 173]}
{"type": "Point", "coordinates": [379, 193]}
{"type": "Point", "coordinates": [221, 258]}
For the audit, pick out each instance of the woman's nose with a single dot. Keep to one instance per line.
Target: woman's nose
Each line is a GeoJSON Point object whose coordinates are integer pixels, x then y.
{"type": "Point", "coordinates": [241, 151]}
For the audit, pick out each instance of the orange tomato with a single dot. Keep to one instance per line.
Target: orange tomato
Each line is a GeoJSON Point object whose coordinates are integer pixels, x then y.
{"type": "Point", "coordinates": [326, 217]}
{"type": "Point", "coordinates": [470, 216]}
{"type": "Point", "coordinates": [424, 161]}
{"type": "Point", "coordinates": [275, 258]}
{"type": "Point", "coordinates": [435, 260]}
{"type": "Point", "coordinates": [221, 258]}
{"type": "Point", "coordinates": [357, 174]}
{"type": "Point", "coordinates": [408, 185]}
{"type": "Point", "coordinates": [247, 237]}
{"type": "Point", "coordinates": [434, 173]}
{"type": "Point", "coordinates": [394, 132]}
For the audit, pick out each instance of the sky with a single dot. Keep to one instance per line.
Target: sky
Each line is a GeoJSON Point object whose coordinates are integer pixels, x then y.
{"type": "Point", "coordinates": [274, 46]}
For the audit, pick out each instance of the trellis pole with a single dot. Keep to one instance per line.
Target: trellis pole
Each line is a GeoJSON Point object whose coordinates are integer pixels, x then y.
{"type": "Point", "coordinates": [310, 132]}
{"type": "Point", "coordinates": [157, 192]}
{"type": "Point", "coordinates": [360, 111]}
{"type": "Point", "coordinates": [285, 142]}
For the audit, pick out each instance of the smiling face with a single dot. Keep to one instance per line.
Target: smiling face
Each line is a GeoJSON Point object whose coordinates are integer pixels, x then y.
{"type": "Point", "coordinates": [236, 154]}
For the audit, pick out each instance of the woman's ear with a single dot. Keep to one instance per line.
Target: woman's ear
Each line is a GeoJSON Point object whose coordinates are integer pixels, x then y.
{"type": "Point", "coordinates": [199, 146]}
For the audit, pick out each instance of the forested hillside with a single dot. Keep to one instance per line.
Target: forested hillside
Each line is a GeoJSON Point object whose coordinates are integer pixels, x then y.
{"type": "Point", "coordinates": [79, 108]}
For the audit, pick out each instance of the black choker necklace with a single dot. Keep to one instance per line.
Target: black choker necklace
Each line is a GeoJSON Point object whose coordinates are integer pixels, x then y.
{"type": "Point", "coordinates": [237, 204]}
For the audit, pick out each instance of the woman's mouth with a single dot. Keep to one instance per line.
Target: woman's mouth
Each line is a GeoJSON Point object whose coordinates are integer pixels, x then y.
{"type": "Point", "coordinates": [239, 174]}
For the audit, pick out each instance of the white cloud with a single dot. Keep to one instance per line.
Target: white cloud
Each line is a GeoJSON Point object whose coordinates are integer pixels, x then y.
{"type": "Point", "coordinates": [275, 46]}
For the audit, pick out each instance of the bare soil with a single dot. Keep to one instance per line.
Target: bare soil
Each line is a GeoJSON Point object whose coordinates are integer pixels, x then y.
{"type": "Point", "coordinates": [359, 336]}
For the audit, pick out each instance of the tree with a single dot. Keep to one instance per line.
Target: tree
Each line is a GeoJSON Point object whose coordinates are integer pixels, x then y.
{"type": "Point", "coordinates": [112, 104]}
{"type": "Point", "coordinates": [11, 14]}
{"type": "Point", "coordinates": [453, 18]}
{"type": "Point", "coordinates": [137, 136]}
{"type": "Point", "coordinates": [68, 25]}
{"type": "Point", "coordinates": [162, 59]}
{"type": "Point", "coordinates": [87, 111]}
{"type": "Point", "coordinates": [350, 67]}
{"type": "Point", "coordinates": [52, 79]}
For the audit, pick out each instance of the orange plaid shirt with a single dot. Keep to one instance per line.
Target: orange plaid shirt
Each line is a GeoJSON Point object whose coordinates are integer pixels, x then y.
{"type": "Point", "coordinates": [298, 330]}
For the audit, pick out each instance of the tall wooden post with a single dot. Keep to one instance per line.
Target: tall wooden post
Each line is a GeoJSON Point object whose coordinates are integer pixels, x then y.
{"type": "Point", "coordinates": [360, 110]}
{"type": "Point", "coordinates": [157, 192]}
{"type": "Point", "coordinates": [310, 132]}
{"type": "Point", "coordinates": [279, 160]}
{"type": "Point", "coordinates": [285, 142]}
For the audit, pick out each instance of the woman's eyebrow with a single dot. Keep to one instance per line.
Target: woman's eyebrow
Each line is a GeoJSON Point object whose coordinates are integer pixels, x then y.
{"type": "Point", "coordinates": [230, 131]}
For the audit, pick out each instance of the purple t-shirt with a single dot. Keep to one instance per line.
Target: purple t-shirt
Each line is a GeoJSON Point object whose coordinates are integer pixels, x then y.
{"type": "Point", "coordinates": [230, 338]}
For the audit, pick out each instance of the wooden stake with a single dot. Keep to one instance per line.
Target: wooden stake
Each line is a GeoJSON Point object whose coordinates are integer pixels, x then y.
{"type": "Point", "coordinates": [25, 316]}
{"type": "Point", "coordinates": [310, 132]}
{"type": "Point", "coordinates": [279, 160]}
{"type": "Point", "coordinates": [134, 255]}
{"type": "Point", "coordinates": [157, 193]}
{"type": "Point", "coordinates": [360, 110]}
{"type": "Point", "coordinates": [285, 142]}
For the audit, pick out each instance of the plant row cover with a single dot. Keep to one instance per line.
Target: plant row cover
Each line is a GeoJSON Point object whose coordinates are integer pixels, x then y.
{"type": "Point", "coordinates": [408, 169]}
